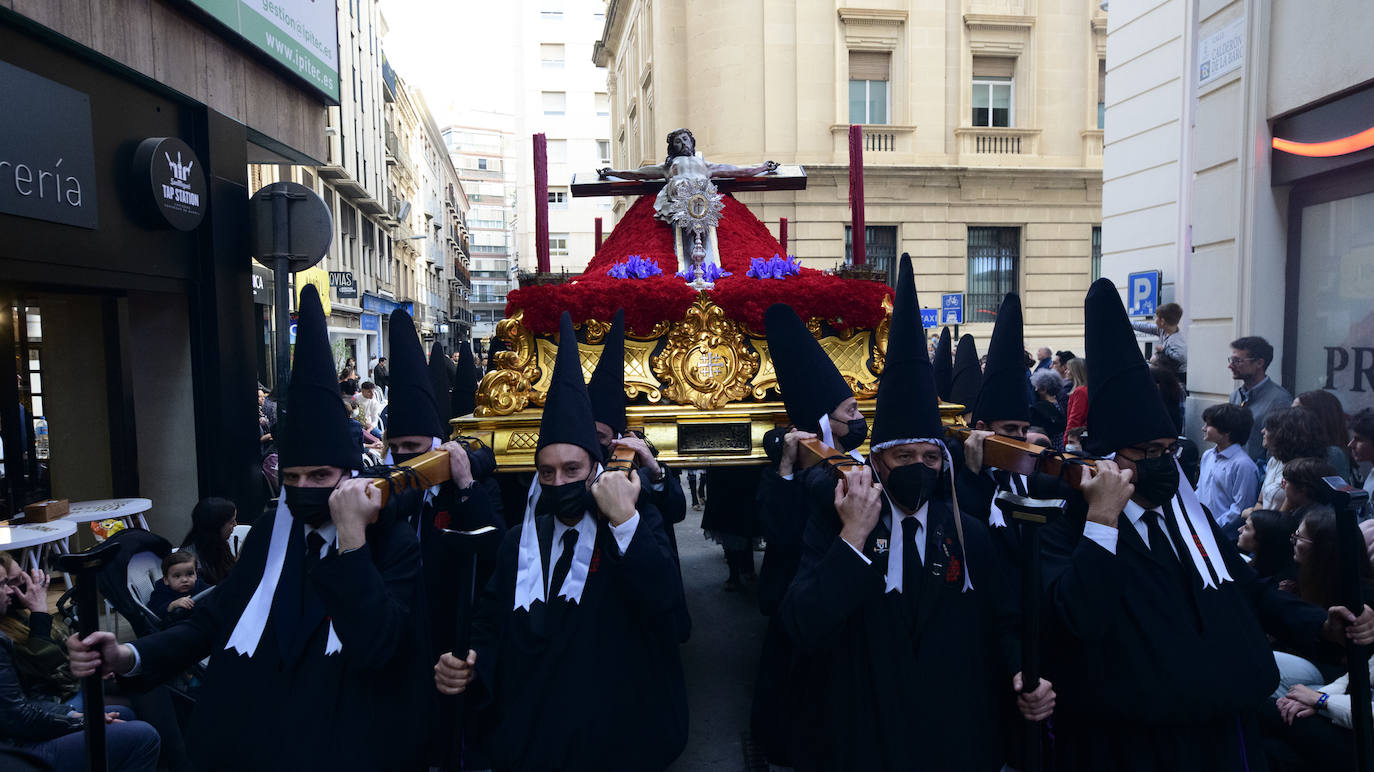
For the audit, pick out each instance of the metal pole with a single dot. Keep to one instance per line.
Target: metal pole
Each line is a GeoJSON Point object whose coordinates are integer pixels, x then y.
{"type": "Point", "coordinates": [84, 566]}
{"type": "Point", "coordinates": [281, 269]}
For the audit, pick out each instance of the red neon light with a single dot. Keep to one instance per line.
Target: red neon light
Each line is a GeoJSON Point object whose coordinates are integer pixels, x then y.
{"type": "Point", "coordinates": [1342, 146]}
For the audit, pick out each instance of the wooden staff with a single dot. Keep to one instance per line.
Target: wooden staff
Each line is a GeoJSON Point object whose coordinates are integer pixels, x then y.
{"type": "Point", "coordinates": [1346, 500]}
{"type": "Point", "coordinates": [84, 566]}
{"type": "Point", "coordinates": [624, 459]}
{"type": "Point", "coordinates": [1024, 458]}
{"type": "Point", "coordinates": [426, 471]}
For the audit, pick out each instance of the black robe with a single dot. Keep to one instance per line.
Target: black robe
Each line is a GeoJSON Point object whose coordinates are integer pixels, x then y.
{"type": "Point", "coordinates": [355, 710]}
{"type": "Point", "coordinates": [1151, 670]}
{"type": "Point", "coordinates": [593, 685]}
{"type": "Point", "coordinates": [889, 690]}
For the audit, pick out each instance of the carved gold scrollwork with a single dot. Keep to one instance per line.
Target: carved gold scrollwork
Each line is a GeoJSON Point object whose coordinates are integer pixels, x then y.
{"type": "Point", "coordinates": [596, 330]}
{"type": "Point", "coordinates": [522, 347]}
{"type": "Point", "coordinates": [502, 392]}
{"type": "Point", "coordinates": [706, 361]}
{"type": "Point", "coordinates": [768, 374]}
{"type": "Point", "coordinates": [880, 337]}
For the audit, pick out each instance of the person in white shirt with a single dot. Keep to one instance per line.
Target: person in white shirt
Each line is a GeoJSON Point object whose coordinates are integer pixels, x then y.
{"type": "Point", "coordinates": [371, 401]}
{"type": "Point", "coordinates": [1228, 483]}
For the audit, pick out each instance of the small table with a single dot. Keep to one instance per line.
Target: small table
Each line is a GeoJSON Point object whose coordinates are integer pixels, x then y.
{"type": "Point", "coordinates": [34, 540]}
{"type": "Point", "coordinates": [129, 510]}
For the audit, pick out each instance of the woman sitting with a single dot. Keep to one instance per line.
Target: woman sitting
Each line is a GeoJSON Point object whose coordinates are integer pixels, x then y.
{"type": "Point", "coordinates": [1288, 433]}
{"type": "Point", "coordinates": [1266, 536]}
{"type": "Point", "coordinates": [1331, 414]}
{"type": "Point", "coordinates": [212, 523]}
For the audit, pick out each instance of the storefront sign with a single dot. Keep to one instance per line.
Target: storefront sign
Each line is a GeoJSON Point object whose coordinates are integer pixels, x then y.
{"type": "Point", "coordinates": [343, 283]}
{"type": "Point", "coordinates": [371, 322]}
{"type": "Point", "coordinates": [318, 277]}
{"type": "Point", "coordinates": [174, 179]}
{"type": "Point", "coordinates": [301, 35]}
{"type": "Point", "coordinates": [381, 305]}
{"type": "Point", "coordinates": [1221, 52]}
{"type": "Point", "coordinates": [263, 286]}
{"type": "Point", "coordinates": [47, 156]}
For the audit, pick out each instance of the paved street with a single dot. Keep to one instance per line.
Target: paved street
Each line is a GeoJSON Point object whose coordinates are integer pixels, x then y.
{"type": "Point", "coordinates": [721, 657]}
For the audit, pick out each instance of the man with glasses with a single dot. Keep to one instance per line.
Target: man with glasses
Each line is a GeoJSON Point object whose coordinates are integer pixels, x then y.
{"type": "Point", "coordinates": [1156, 627]}
{"type": "Point", "coordinates": [1249, 361]}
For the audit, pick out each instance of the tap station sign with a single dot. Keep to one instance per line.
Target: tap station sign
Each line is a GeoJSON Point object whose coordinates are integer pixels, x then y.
{"type": "Point", "coordinates": [174, 179]}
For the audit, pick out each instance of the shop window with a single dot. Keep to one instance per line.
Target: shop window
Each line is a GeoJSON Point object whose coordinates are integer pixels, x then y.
{"type": "Point", "coordinates": [994, 257]}
{"type": "Point", "coordinates": [880, 248]}
{"type": "Point", "coordinates": [869, 86]}
{"type": "Point", "coordinates": [992, 91]}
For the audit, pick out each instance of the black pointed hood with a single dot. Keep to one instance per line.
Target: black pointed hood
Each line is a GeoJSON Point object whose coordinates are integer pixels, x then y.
{"type": "Point", "coordinates": [968, 374]}
{"type": "Point", "coordinates": [567, 414]}
{"type": "Point", "coordinates": [315, 429]}
{"type": "Point", "coordinates": [607, 386]}
{"type": "Point", "coordinates": [907, 407]}
{"type": "Point", "coordinates": [464, 397]}
{"type": "Point", "coordinates": [808, 380]}
{"type": "Point", "coordinates": [1003, 395]}
{"type": "Point", "coordinates": [412, 409]}
{"type": "Point", "coordinates": [944, 364]}
{"type": "Point", "coordinates": [1124, 406]}
{"type": "Point", "coordinates": [494, 347]}
{"type": "Point", "coordinates": [441, 380]}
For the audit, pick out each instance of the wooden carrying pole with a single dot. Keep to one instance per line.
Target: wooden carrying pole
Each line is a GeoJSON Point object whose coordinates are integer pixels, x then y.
{"type": "Point", "coordinates": [856, 194]}
{"type": "Point", "coordinates": [427, 470]}
{"type": "Point", "coordinates": [541, 203]}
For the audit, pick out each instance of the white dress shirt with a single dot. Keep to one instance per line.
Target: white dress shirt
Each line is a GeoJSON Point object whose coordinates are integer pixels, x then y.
{"type": "Point", "coordinates": [896, 544]}
{"type": "Point", "coordinates": [1106, 535]}
{"type": "Point", "coordinates": [1228, 484]}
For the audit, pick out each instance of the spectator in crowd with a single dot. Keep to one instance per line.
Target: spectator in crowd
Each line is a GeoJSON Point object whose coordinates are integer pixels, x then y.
{"type": "Point", "coordinates": [266, 405]}
{"type": "Point", "coordinates": [370, 403]}
{"type": "Point", "coordinates": [348, 381]}
{"type": "Point", "coordinates": [1289, 433]}
{"type": "Point", "coordinates": [1267, 537]}
{"type": "Point", "coordinates": [1331, 414]}
{"type": "Point", "coordinates": [266, 424]}
{"type": "Point", "coordinates": [1169, 340]}
{"type": "Point", "coordinates": [1073, 439]}
{"type": "Point", "coordinates": [1060, 364]}
{"type": "Point", "coordinates": [40, 659]}
{"type": "Point", "coordinates": [52, 731]}
{"type": "Point", "coordinates": [1045, 412]}
{"type": "Point", "coordinates": [1362, 447]}
{"type": "Point", "coordinates": [1043, 358]}
{"type": "Point", "coordinates": [1078, 397]}
{"type": "Point", "coordinates": [381, 375]}
{"type": "Point", "coordinates": [212, 523]}
{"type": "Point", "coordinates": [174, 594]}
{"type": "Point", "coordinates": [1228, 483]}
{"type": "Point", "coordinates": [1302, 483]}
{"type": "Point", "coordinates": [1249, 363]}
{"type": "Point", "coordinates": [1312, 728]}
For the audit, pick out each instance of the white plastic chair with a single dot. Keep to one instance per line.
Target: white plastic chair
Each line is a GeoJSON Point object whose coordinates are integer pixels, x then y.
{"type": "Point", "coordinates": [236, 538]}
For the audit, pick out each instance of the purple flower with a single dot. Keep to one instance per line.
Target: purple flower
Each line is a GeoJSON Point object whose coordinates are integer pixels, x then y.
{"type": "Point", "coordinates": [634, 267]}
{"type": "Point", "coordinates": [774, 267]}
{"type": "Point", "coordinates": [709, 273]}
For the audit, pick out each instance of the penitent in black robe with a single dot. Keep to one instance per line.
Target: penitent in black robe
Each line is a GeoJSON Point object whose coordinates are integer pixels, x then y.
{"type": "Point", "coordinates": [891, 688]}
{"type": "Point", "coordinates": [354, 710]}
{"type": "Point", "coordinates": [592, 685]}
{"type": "Point", "coordinates": [1152, 671]}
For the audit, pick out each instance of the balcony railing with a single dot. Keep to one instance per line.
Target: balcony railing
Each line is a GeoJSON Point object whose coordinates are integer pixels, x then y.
{"type": "Point", "coordinates": [995, 143]}
{"type": "Point", "coordinates": [883, 143]}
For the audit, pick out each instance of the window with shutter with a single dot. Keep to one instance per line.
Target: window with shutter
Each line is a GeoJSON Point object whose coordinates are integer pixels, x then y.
{"type": "Point", "coordinates": [870, 73]}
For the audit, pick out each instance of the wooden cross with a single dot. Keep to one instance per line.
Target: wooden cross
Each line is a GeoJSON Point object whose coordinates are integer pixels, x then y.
{"type": "Point", "coordinates": [589, 184]}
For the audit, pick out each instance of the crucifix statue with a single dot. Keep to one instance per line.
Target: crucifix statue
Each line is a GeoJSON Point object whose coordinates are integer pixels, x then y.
{"type": "Point", "coordinates": [689, 199]}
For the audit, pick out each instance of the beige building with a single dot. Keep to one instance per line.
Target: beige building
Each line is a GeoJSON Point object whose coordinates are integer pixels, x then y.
{"type": "Point", "coordinates": [982, 131]}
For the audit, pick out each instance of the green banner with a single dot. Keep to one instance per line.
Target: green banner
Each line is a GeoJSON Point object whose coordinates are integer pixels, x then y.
{"type": "Point", "coordinates": [301, 35]}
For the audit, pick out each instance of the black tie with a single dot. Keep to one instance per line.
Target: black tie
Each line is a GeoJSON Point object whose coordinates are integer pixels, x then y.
{"type": "Point", "coordinates": [314, 543]}
{"type": "Point", "coordinates": [1161, 548]}
{"type": "Point", "coordinates": [564, 564]}
{"type": "Point", "coordinates": [911, 561]}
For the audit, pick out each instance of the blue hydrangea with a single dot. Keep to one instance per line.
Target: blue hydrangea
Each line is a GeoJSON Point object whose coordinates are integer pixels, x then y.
{"type": "Point", "coordinates": [634, 267]}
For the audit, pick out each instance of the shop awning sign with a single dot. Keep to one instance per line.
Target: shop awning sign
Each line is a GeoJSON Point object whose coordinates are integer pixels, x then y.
{"type": "Point", "coordinates": [47, 154]}
{"type": "Point", "coordinates": [343, 283]}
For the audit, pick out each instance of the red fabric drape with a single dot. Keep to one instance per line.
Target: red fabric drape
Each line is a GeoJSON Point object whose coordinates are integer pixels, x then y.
{"type": "Point", "coordinates": [541, 203]}
{"type": "Point", "coordinates": [782, 233]}
{"type": "Point", "coordinates": [856, 192]}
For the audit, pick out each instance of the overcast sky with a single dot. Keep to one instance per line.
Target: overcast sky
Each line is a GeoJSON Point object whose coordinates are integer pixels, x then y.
{"type": "Point", "coordinates": [459, 53]}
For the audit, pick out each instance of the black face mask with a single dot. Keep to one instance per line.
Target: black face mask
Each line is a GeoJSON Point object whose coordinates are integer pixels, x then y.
{"type": "Point", "coordinates": [565, 502]}
{"type": "Point", "coordinates": [309, 505]}
{"type": "Point", "coordinates": [400, 458]}
{"type": "Point", "coordinates": [912, 485]}
{"type": "Point", "coordinates": [1156, 479]}
{"type": "Point", "coordinates": [858, 432]}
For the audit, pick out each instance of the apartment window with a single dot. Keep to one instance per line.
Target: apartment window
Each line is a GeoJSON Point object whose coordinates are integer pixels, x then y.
{"type": "Point", "coordinates": [994, 256]}
{"type": "Point", "coordinates": [558, 245]}
{"type": "Point", "coordinates": [992, 90]}
{"type": "Point", "coordinates": [603, 104]}
{"type": "Point", "coordinates": [1101, 93]}
{"type": "Point", "coordinates": [558, 151]}
{"type": "Point", "coordinates": [1097, 252]}
{"type": "Point", "coordinates": [551, 55]}
{"type": "Point", "coordinates": [555, 102]}
{"type": "Point", "coordinates": [603, 150]}
{"type": "Point", "coordinates": [482, 163]}
{"type": "Point", "coordinates": [551, 15]}
{"type": "Point", "coordinates": [880, 248]}
{"type": "Point", "coordinates": [869, 86]}
{"type": "Point", "coordinates": [558, 198]}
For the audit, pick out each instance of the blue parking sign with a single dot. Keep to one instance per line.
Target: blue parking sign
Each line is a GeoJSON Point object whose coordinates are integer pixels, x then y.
{"type": "Point", "coordinates": [952, 308]}
{"type": "Point", "coordinates": [1142, 293]}
{"type": "Point", "coordinates": [930, 317]}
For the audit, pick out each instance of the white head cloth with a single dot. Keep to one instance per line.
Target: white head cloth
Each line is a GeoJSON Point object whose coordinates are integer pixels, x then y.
{"type": "Point", "coordinates": [949, 465]}
{"type": "Point", "coordinates": [248, 631]}
{"type": "Point", "coordinates": [529, 564]}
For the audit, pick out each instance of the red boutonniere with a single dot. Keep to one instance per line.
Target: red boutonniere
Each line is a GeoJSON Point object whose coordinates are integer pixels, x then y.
{"type": "Point", "coordinates": [596, 560]}
{"type": "Point", "coordinates": [953, 573]}
{"type": "Point", "coordinates": [1201, 550]}
{"type": "Point", "coordinates": [441, 520]}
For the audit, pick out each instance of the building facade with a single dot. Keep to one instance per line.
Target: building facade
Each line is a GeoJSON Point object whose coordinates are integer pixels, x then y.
{"type": "Point", "coordinates": [132, 353]}
{"type": "Point", "coordinates": [485, 160]}
{"type": "Point", "coordinates": [1249, 238]}
{"type": "Point", "coordinates": [982, 132]}
{"type": "Point", "coordinates": [562, 94]}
